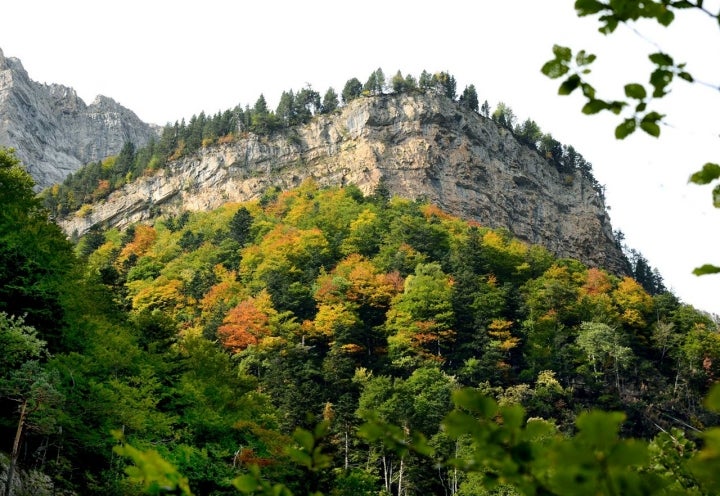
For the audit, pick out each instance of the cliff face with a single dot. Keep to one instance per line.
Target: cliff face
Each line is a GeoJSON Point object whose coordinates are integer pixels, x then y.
{"type": "Point", "coordinates": [53, 131]}
{"type": "Point", "coordinates": [421, 146]}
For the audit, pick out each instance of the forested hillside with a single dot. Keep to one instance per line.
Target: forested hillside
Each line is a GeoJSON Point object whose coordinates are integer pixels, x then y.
{"type": "Point", "coordinates": [208, 339]}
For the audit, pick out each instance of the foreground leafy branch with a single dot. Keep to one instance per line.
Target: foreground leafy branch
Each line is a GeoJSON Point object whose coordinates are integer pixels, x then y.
{"type": "Point", "coordinates": [638, 97]}
{"type": "Point", "coordinates": [505, 450]}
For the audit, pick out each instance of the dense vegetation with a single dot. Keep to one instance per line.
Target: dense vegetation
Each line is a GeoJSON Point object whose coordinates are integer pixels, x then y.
{"type": "Point", "coordinates": [206, 340]}
{"type": "Point", "coordinates": [97, 180]}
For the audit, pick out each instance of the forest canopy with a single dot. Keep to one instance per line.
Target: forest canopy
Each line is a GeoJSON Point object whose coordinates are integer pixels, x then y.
{"type": "Point", "coordinates": [334, 342]}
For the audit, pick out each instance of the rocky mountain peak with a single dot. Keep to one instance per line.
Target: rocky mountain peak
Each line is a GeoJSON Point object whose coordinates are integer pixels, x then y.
{"type": "Point", "coordinates": [104, 103]}
{"type": "Point", "coordinates": [52, 129]}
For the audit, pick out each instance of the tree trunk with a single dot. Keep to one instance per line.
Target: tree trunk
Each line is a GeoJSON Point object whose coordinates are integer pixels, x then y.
{"type": "Point", "coordinates": [15, 449]}
{"type": "Point", "coordinates": [400, 476]}
{"type": "Point", "coordinates": [386, 475]}
{"type": "Point", "coordinates": [454, 485]}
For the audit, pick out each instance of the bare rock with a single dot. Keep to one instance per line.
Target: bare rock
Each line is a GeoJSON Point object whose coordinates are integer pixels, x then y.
{"type": "Point", "coordinates": [422, 146]}
{"type": "Point", "coordinates": [54, 132]}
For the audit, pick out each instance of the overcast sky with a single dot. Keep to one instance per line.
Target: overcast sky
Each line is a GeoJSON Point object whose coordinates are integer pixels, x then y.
{"type": "Point", "coordinates": [168, 60]}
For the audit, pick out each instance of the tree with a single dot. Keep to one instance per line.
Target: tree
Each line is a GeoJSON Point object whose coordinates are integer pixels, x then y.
{"type": "Point", "coordinates": [605, 349]}
{"type": "Point", "coordinates": [36, 259]}
{"type": "Point", "coordinates": [398, 83]}
{"type": "Point", "coordinates": [416, 404]}
{"type": "Point", "coordinates": [504, 116]}
{"type": "Point", "coordinates": [635, 107]}
{"type": "Point", "coordinates": [410, 83]}
{"type": "Point", "coordinates": [444, 84]}
{"type": "Point", "coordinates": [262, 120]}
{"type": "Point", "coordinates": [353, 89]}
{"type": "Point", "coordinates": [16, 185]}
{"type": "Point", "coordinates": [25, 381]}
{"type": "Point", "coordinates": [240, 225]}
{"type": "Point", "coordinates": [550, 148]}
{"type": "Point", "coordinates": [422, 317]}
{"type": "Point", "coordinates": [425, 82]}
{"type": "Point", "coordinates": [244, 325]}
{"type": "Point", "coordinates": [285, 111]}
{"type": "Point", "coordinates": [375, 85]}
{"type": "Point", "coordinates": [469, 98]}
{"type": "Point", "coordinates": [528, 133]}
{"type": "Point", "coordinates": [330, 101]}
{"type": "Point", "coordinates": [307, 103]}
{"type": "Point", "coordinates": [485, 109]}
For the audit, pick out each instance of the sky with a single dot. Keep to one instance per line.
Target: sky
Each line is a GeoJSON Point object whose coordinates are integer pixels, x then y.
{"type": "Point", "coordinates": [168, 60]}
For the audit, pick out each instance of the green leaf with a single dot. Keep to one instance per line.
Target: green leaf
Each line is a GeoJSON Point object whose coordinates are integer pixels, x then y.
{"type": "Point", "coordinates": [683, 4]}
{"type": "Point", "coordinates": [625, 129]}
{"type": "Point", "coordinates": [371, 431]}
{"type": "Point", "coordinates": [300, 457]}
{"type": "Point", "coordinates": [420, 444]}
{"type": "Point", "coordinates": [588, 91]}
{"type": "Point", "coordinates": [636, 91]}
{"type": "Point", "coordinates": [650, 127]}
{"type": "Point", "coordinates": [716, 196]}
{"type": "Point", "coordinates": [616, 107]}
{"type": "Point", "coordinates": [554, 69]}
{"type": "Point", "coordinates": [459, 423]}
{"type": "Point", "coordinates": [666, 17]}
{"type": "Point", "coordinates": [304, 439]}
{"type": "Point", "coordinates": [706, 269]}
{"type": "Point", "coordinates": [628, 453]}
{"type": "Point", "coordinates": [513, 416]}
{"type": "Point", "coordinates": [611, 24]}
{"type": "Point", "coordinates": [246, 484]}
{"type": "Point", "coordinates": [660, 78]}
{"type": "Point", "coordinates": [594, 106]}
{"type": "Point", "coordinates": [686, 76]}
{"type": "Point", "coordinates": [661, 59]}
{"type": "Point", "coordinates": [707, 174]}
{"type": "Point", "coordinates": [588, 7]}
{"type": "Point", "coordinates": [537, 428]}
{"type": "Point", "coordinates": [712, 400]}
{"type": "Point", "coordinates": [562, 53]}
{"type": "Point", "coordinates": [474, 401]}
{"type": "Point", "coordinates": [569, 85]}
{"type": "Point", "coordinates": [599, 429]}
{"type": "Point", "coordinates": [582, 58]}
{"type": "Point", "coordinates": [322, 429]}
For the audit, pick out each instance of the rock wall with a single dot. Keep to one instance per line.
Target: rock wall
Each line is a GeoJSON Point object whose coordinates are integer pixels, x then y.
{"type": "Point", "coordinates": [422, 146]}
{"type": "Point", "coordinates": [54, 132]}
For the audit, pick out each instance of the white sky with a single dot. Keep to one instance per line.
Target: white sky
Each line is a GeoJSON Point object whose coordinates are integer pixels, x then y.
{"type": "Point", "coordinates": [166, 60]}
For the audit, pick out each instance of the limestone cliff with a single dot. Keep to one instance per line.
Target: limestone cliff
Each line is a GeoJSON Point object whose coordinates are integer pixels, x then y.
{"type": "Point", "coordinates": [422, 146]}
{"type": "Point", "coordinates": [53, 131]}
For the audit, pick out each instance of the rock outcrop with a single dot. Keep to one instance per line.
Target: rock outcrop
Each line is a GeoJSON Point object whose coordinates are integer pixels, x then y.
{"type": "Point", "coordinates": [54, 132]}
{"type": "Point", "coordinates": [421, 146]}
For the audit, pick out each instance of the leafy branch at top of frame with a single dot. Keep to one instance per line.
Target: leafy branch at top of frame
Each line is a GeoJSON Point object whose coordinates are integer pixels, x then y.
{"type": "Point", "coordinates": [613, 12]}
{"type": "Point", "coordinates": [575, 69]}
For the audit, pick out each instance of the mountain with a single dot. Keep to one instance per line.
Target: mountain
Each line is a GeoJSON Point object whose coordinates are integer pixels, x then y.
{"type": "Point", "coordinates": [418, 145]}
{"type": "Point", "coordinates": [53, 131]}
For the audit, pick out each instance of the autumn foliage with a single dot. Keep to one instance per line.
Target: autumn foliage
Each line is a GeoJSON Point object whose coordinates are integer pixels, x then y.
{"type": "Point", "coordinates": [244, 325]}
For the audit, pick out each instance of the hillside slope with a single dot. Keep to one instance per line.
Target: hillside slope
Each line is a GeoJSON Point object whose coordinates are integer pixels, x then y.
{"type": "Point", "coordinates": [421, 146]}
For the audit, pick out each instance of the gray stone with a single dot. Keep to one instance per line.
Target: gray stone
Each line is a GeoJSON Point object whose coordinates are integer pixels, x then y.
{"type": "Point", "coordinates": [54, 132]}
{"type": "Point", "coordinates": [423, 147]}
